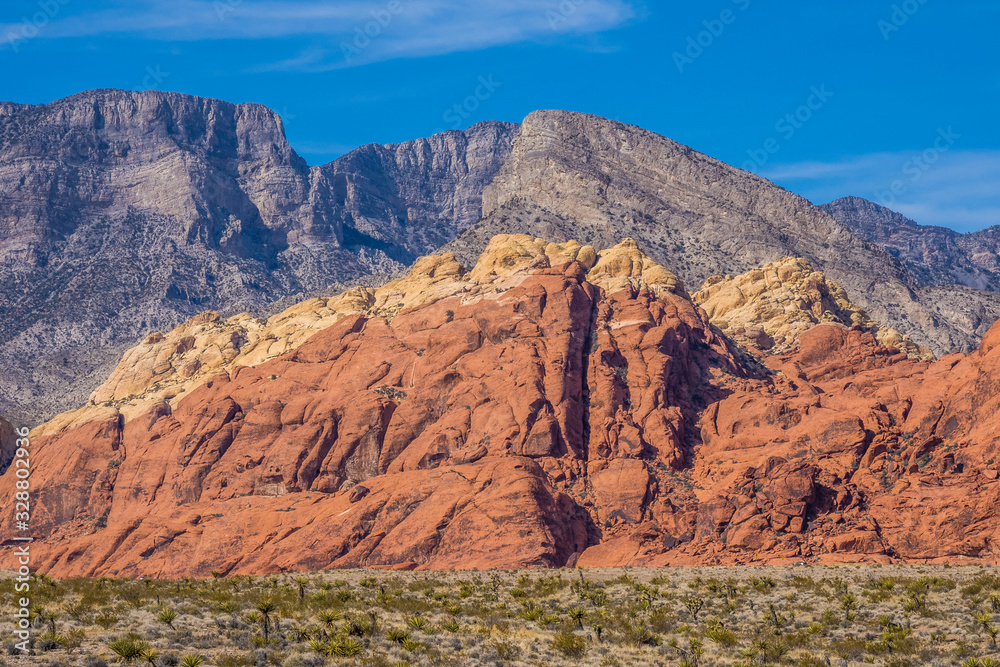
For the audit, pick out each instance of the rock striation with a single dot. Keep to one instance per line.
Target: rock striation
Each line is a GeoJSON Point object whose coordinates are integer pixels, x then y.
{"type": "Point", "coordinates": [933, 255]}
{"type": "Point", "coordinates": [551, 406]}
{"type": "Point", "coordinates": [571, 175]}
{"type": "Point", "coordinates": [123, 212]}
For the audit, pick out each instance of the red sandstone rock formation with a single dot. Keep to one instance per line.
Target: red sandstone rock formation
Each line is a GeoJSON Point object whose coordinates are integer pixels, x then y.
{"type": "Point", "coordinates": [561, 417]}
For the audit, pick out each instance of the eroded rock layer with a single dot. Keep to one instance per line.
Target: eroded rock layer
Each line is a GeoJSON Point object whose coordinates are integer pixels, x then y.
{"type": "Point", "coordinates": [770, 307]}
{"type": "Point", "coordinates": [552, 406]}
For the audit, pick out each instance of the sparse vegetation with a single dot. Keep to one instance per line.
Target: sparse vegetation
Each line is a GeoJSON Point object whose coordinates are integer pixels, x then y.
{"type": "Point", "coordinates": [754, 616]}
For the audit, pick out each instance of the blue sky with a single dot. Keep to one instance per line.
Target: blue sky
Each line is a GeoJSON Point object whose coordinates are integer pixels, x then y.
{"type": "Point", "coordinates": [825, 98]}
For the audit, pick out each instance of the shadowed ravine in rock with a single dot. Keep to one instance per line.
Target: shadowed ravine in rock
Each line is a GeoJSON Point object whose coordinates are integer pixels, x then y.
{"type": "Point", "coordinates": [550, 406]}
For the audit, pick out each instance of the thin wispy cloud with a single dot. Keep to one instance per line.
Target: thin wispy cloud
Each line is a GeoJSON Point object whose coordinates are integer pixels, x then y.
{"type": "Point", "coordinates": [345, 33]}
{"type": "Point", "coordinates": [958, 189]}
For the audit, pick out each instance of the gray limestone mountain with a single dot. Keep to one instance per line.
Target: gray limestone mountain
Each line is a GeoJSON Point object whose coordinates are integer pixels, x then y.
{"type": "Point", "coordinates": [123, 213]}
{"type": "Point", "coordinates": [576, 176]}
{"type": "Point", "coordinates": [128, 212]}
{"type": "Point", "coordinates": [933, 255]}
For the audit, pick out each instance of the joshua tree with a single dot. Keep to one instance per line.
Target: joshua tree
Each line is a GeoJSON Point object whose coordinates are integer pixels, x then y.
{"type": "Point", "coordinates": [266, 607]}
{"type": "Point", "coordinates": [848, 603]}
{"type": "Point", "coordinates": [577, 615]}
{"type": "Point", "coordinates": [694, 605]}
{"type": "Point", "coordinates": [983, 619]}
{"type": "Point", "coordinates": [300, 586]}
{"type": "Point", "coordinates": [49, 617]}
{"type": "Point", "coordinates": [329, 619]}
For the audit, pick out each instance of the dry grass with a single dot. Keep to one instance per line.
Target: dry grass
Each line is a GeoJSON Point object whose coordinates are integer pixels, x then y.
{"type": "Point", "coordinates": [801, 615]}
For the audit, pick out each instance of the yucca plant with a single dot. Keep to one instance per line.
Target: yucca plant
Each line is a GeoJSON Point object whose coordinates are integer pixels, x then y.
{"type": "Point", "coordinates": [128, 648]}
{"type": "Point", "coordinates": [192, 660]}
{"type": "Point", "coordinates": [300, 587]}
{"type": "Point", "coordinates": [329, 618]}
{"type": "Point", "coordinates": [49, 616]}
{"type": "Point", "coordinates": [167, 616]}
{"type": "Point", "coordinates": [344, 648]}
{"type": "Point", "coordinates": [266, 608]}
{"type": "Point", "coordinates": [848, 603]}
{"type": "Point", "coordinates": [228, 607]}
{"type": "Point", "coordinates": [397, 636]}
{"type": "Point", "coordinates": [411, 645]}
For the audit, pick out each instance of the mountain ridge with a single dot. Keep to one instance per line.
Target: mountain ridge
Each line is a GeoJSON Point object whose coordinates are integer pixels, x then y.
{"type": "Point", "coordinates": [123, 212]}
{"type": "Point", "coordinates": [149, 207]}
{"type": "Point", "coordinates": [577, 176]}
{"type": "Point", "coordinates": [934, 255]}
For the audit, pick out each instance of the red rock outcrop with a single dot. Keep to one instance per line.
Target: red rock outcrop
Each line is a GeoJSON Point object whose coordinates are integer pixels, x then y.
{"type": "Point", "coordinates": [550, 407]}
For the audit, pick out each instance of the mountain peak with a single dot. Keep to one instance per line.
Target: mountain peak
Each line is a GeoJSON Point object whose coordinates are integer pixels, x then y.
{"type": "Point", "coordinates": [935, 256]}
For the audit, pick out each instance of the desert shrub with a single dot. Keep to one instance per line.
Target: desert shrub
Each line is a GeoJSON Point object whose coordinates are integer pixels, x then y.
{"type": "Point", "coordinates": [849, 648]}
{"type": "Point", "coordinates": [107, 618]}
{"type": "Point", "coordinates": [721, 636]}
{"type": "Point", "coordinates": [570, 645]}
{"type": "Point", "coordinates": [810, 661]}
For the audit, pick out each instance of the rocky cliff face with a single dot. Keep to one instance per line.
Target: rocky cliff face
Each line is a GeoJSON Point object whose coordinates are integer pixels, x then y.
{"type": "Point", "coordinates": [410, 199]}
{"type": "Point", "coordinates": [934, 255]}
{"type": "Point", "coordinates": [551, 406]}
{"type": "Point", "coordinates": [125, 212]}
{"type": "Point", "coordinates": [577, 176]}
